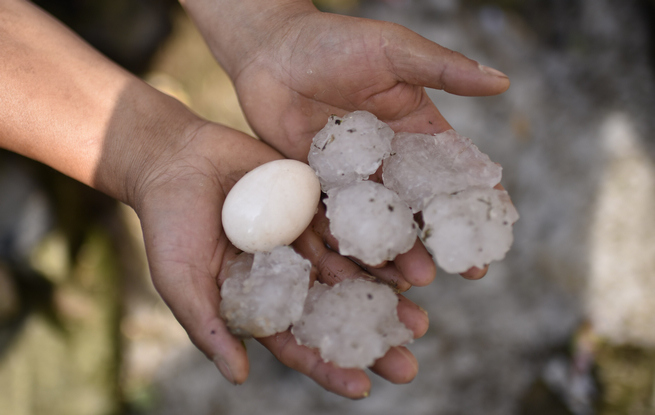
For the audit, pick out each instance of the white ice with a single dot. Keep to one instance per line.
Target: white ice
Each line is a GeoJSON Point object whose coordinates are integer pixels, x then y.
{"type": "Point", "coordinates": [352, 324]}
{"type": "Point", "coordinates": [264, 293]}
{"type": "Point", "coordinates": [370, 222]}
{"type": "Point", "coordinates": [469, 228]}
{"type": "Point", "coordinates": [349, 148]}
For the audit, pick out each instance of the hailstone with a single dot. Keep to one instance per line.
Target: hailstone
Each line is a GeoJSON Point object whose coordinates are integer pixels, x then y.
{"type": "Point", "coordinates": [264, 293]}
{"type": "Point", "coordinates": [424, 165]}
{"type": "Point", "coordinates": [271, 205]}
{"type": "Point", "coordinates": [352, 324]}
{"type": "Point", "coordinates": [370, 222]}
{"type": "Point", "coordinates": [349, 148]}
{"type": "Point", "coordinates": [469, 228]}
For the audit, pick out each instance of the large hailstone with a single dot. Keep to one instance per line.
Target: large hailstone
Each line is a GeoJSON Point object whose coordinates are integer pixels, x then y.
{"type": "Point", "coordinates": [264, 293]}
{"type": "Point", "coordinates": [349, 148]}
{"type": "Point", "coordinates": [271, 205]}
{"type": "Point", "coordinates": [424, 165]}
{"type": "Point", "coordinates": [370, 222]}
{"type": "Point", "coordinates": [469, 228]}
{"type": "Point", "coordinates": [352, 324]}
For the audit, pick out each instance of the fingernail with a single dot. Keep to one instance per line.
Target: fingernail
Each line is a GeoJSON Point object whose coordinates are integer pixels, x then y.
{"type": "Point", "coordinates": [423, 310]}
{"type": "Point", "coordinates": [224, 369]}
{"type": "Point", "coordinates": [491, 71]}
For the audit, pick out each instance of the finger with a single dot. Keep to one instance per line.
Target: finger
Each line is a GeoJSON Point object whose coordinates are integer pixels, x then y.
{"type": "Point", "coordinates": [475, 273]}
{"type": "Point", "coordinates": [230, 254]}
{"type": "Point", "coordinates": [331, 268]}
{"type": "Point", "coordinates": [397, 366]}
{"type": "Point", "coordinates": [351, 383]}
{"type": "Point", "coordinates": [419, 61]}
{"type": "Point", "coordinates": [391, 275]}
{"type": "Point", "coordinates": [413, 317]}
{"type": "Point", "coordinates": [321, 226]}
{"type": "Point", "coordinates": [417, 265]}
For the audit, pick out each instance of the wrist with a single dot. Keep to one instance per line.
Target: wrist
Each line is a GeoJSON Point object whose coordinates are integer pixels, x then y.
{"type": "Point", "coordinates": [67, 106]}
{"type": "Point", "coordinates": [237, 31]}
{"type": "Point", "coordinates": [150, 129]}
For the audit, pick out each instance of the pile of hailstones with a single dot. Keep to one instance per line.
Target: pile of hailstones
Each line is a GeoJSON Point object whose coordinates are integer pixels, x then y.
{"type": "Point", "coordinates": [466, 223]}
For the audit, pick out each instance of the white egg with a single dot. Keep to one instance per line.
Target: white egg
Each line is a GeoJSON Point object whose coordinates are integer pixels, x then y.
{"type": "Point", "coordinates": [271, 205]}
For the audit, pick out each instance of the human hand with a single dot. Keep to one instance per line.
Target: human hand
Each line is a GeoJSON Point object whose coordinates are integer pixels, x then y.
{"type": "Point", "coordinates": [297, 66]}
{"type": "Point", "coordinates": [79, 113]}
{"type": "Point", "coordinates": [179, 202]}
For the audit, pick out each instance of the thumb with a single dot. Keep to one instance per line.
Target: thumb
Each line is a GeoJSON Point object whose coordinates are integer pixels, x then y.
{"type": "Point", "coordinates": [419, 61]}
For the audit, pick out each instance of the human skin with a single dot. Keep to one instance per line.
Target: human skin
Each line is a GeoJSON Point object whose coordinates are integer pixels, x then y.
{"type": "Point", "coordinates": [293, 66]}
{"type": "Point", "coordinates": [67, 106]}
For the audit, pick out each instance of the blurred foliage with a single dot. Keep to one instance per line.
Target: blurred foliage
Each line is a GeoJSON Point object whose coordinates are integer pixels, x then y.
{"type": "Point", "coordinates": [623, 376]}
{"type": "Point", "coordinates": [127, 31]}
{"type": "Point", "coordinates": [627, 377]}
{"type": "Point", "coordinates": [65, 358]}
{"type": "Point", "coordinates": [540, 399]}
{"type": "Point", "coordinates": [184, 67]}
{"type": "Point", "coordinates": [505, 4]}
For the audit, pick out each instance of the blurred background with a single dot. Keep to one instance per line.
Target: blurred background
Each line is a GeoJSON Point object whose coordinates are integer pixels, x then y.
{"type": "Point", "coordinates": [565, 325]}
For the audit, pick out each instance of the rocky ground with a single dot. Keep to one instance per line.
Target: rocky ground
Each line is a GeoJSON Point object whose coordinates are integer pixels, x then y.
{"type": "Point", "coordinates": [565, 325]}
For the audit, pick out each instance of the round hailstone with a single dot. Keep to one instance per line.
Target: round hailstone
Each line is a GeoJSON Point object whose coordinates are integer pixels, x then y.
{"type": "Point", "coordinates": [423, 165]}
{"type": "Point", "coordinates": [352, 324]}
{"type": "Point", "coordinates": [271, 205]}
{"type": "Point", "coordinates": [469, 228]}
{"type": "Point", "coordinates": [370, 222]}
{"type": "Point", "coordinates": [349, 148]}
{"type": "Point", "coordinates": [264, 293]}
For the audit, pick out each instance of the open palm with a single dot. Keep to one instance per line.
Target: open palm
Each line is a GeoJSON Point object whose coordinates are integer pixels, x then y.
{"type": "Point", "coordinates": [320, 64]}
{"type": "Point", "coordinates": [179, 205]}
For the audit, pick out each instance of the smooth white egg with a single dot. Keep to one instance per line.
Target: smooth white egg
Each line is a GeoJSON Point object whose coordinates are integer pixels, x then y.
{"type": "Point", "coordinates": [271, 205]}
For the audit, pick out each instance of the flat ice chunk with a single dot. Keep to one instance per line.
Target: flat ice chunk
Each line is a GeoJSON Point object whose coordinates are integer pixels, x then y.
{"type": "Point", "coordinates": [352, 324]}
{"type": "Point", "coordinates": [264, 293]}
{"type": "Point", "coordinates": [370, 222]}
{"type": "Point", "coordinates": [424, 165]}
{"type": "Point", "coordinates": [469, 228]}
{"type": "Point", "coordinates": [349, 148]}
